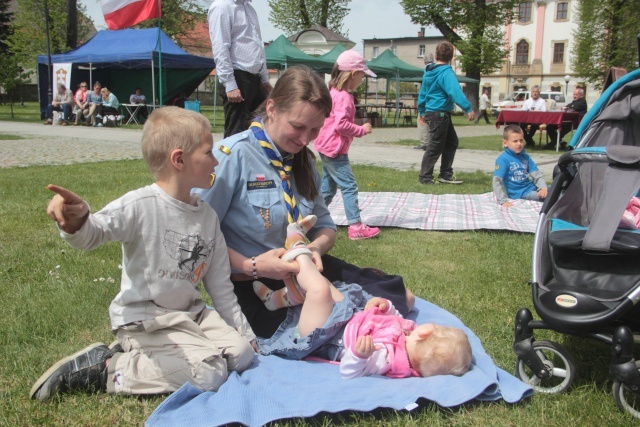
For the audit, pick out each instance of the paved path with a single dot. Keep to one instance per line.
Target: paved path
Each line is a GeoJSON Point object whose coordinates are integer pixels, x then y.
{"type": "Point", "coordinates": [76, 144]}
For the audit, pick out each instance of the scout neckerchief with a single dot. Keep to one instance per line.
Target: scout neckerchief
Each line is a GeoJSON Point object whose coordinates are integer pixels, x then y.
{"type": "Point", "coordinates": [284, 170]}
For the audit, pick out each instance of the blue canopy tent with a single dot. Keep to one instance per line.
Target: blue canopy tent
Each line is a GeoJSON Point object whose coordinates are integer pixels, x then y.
{"type": "Point", "coordinates": [125, 59]}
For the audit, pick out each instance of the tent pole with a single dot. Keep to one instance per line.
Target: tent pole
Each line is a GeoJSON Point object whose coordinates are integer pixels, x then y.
{"type": "Point", "coordinates": [398, 98]}
{"type": "Point", "coordinates": [90, 75]}
{"type": "Point", "coordinates": [160, 51]}
{"type": "Point", "coordinates": [153, 84]}
{"type": "Point", "coordinates": [215, 96]}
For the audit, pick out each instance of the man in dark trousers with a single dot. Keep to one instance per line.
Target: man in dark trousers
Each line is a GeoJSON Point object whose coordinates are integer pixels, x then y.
{"type": "Point", "coordinates": [579, 105]}
{"type": "Point", "coordinates": [241, 64]}
{"type": "Point", "coordinates": [439, 92]}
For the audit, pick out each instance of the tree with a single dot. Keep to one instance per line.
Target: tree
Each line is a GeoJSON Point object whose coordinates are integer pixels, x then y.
{"type": "Point", "coordinates": [28, 32]}
{"type": "Point", "coordinates": [474, 27]}
{"type": "Point", "coordinates": [292, 16]}
{"type": "Point", "coordinates": [5, 20]}
{"type": "Point", "coordinates": [12, 76]}
{"type": "Point", "coordinates": [606, 36]}
{"type": "Point", "coordinates": [179, 18]}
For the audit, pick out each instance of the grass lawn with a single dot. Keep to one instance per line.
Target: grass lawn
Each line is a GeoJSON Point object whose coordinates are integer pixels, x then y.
{"type": "Point", "coordinates": [55, 302]}
{"type": "Point", "coordinates": [30, 113]}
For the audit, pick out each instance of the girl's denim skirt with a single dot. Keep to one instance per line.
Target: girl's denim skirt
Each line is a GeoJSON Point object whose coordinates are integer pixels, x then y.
{"type": "Point", "coordinates": [287, 343]}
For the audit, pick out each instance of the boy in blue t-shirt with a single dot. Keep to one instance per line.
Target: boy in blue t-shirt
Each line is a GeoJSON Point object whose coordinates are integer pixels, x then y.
{"type": "Point", "coordinates": [516, 175]}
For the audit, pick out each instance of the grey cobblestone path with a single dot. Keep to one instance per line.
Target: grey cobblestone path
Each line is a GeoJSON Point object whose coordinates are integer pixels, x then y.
{"type": "Point", "coordinates": [55, 145]}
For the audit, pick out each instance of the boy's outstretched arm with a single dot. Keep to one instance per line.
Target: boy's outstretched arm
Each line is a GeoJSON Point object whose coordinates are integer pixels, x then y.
{"type": "Point", "coordinates": [67, 209]}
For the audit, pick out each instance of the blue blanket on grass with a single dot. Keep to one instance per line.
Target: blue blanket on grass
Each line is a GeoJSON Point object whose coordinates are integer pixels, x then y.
{"type": "Point", "coordinates": [274, 388]}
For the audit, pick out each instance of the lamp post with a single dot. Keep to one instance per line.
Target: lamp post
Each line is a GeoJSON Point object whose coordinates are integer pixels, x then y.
{"type": "Point", "coordinates": [566, 86]}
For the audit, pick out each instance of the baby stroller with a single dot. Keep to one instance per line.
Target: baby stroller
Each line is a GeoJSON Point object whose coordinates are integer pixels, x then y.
{"type": "Point", "coordinates": [586, 269]}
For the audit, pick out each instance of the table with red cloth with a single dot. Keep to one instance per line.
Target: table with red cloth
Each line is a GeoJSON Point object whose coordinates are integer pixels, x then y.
{"type": "Point", "coordinates": [539, 117]}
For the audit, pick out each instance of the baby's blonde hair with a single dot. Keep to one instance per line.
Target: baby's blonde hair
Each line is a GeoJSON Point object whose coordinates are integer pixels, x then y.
{"type": "Point", "coordinates": [446, 351]}
{"type": "Point", "coordinates": [168, 129]}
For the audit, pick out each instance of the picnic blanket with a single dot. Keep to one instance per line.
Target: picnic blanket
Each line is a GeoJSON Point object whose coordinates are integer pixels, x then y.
{"type": "Point", "coordinates": [274, 388]}
{"type": "Point", "coordinates": [440, 212]}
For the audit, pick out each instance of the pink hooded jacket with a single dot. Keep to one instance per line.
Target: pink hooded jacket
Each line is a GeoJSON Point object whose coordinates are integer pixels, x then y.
{"type": "Point", "coordinates": [339, 129]}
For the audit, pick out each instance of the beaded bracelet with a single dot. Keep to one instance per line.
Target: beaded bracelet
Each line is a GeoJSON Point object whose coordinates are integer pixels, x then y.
{"type": "Point", "coordinates": [254, 268]}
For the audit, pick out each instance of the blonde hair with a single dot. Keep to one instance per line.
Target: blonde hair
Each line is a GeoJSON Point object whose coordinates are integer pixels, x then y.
{"type": "Point", "coordinates": [168, 129]}
{"type": "Point", "coordinates": [446, 351]}
{"type": "Point", "coordinates": [339, 78]}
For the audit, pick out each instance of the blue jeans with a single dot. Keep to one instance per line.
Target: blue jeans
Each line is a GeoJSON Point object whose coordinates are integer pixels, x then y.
{"type": "Point", "coordinates": [337, 173]}
{"type": "Point", "coordinates": [532, 195]}
{"type": "Point", "coordinates": [65, 108]}
{"type": "Point", "coordinates": [325, 341]}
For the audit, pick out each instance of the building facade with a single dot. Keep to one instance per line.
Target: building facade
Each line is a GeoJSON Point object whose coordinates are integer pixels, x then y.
{"type": "Point", "coordinates": [318, 40]}
{"type": "Point", "coordinates": [411, 50]}
{"type": "Point", "coordinates": [540, 40]}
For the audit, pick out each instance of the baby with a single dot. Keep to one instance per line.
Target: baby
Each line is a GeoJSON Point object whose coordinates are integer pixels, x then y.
{"type": "Point", "coordinates": [331, 324]}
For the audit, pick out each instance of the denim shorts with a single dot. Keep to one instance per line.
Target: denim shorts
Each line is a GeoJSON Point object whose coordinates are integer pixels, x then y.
{"type": "Point", "coordinates": [287, 343]}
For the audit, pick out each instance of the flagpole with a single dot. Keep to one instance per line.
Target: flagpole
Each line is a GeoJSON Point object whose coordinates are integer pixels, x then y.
{"type": "Point", "coordinates": [160, 49]}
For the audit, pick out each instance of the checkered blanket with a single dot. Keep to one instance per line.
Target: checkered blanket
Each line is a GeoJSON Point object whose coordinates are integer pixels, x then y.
{"type": "Point", "coordinates": [440, 212]}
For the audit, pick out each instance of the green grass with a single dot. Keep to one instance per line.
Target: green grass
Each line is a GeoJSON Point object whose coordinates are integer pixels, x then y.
{"type": "Point", "coordinates": [55, 301]}
{"type": "Point", "coordinates": [30, 113]}
{"type": "Point", "coordinates": [9, 137]}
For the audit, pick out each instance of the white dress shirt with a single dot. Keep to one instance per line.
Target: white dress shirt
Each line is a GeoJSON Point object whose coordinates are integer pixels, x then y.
{"type": "Point", "coordinates": [539, 104]}
{"type": "Point", "coordinates": [236, 41]}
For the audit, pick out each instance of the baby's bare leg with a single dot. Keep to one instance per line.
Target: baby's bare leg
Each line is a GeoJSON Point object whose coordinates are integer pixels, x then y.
{"type": "Point", "coordinates": [321, 295]}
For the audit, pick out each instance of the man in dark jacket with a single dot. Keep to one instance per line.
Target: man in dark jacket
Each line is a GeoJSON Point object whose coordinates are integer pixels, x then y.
{"type": "Point", "coordinates": [579, 105]}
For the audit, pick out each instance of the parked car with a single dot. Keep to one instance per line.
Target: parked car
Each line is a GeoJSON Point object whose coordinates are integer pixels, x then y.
{"type": "Point", "coordinates": [516, 99]}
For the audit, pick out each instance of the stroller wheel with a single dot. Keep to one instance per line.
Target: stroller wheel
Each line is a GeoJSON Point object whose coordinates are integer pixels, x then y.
{"type": "Point", "coordinates": [627, 400]}
{"type": "Point", "coordinates": [558, 363]}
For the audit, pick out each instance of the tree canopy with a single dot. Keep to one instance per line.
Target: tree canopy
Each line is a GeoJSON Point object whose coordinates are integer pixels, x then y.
{"type": "Point", "coordinates": [28, 31]}
{"type": "Point", "coordinates": [179, 18]}
{"type": "Point", "coordinates": [292, 16]}
{"type": "Point", "coordinates": [606, 36]}
{"type": "Point", "coordinates": [473, 26]}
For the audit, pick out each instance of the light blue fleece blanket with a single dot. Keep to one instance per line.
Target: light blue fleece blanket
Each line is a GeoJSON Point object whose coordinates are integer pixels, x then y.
{"type": "Point", "coordinates": [274, 388]}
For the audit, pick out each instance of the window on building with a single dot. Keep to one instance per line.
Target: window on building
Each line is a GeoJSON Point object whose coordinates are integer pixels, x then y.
{"type": "Point", "coordinates": [421, 50]}
{"type": "Point", "coordinates": [376, 51]}
{"type": "Point", "coordinates": [524, 12]}
{"type": "Point", "coordinates": [558, 53]}
{"type": "Point", "coordinates": [562, 11]}
{"type": "Point", "coordinates": [522, 52]}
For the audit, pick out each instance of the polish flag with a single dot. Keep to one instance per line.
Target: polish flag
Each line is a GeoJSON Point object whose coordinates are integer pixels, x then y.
{"type": "Point", "coordinates": [125, 13]}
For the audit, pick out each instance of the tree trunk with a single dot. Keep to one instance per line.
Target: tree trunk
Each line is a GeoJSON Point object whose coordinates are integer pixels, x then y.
{"type": "Point", "coordinates": [72, 24]}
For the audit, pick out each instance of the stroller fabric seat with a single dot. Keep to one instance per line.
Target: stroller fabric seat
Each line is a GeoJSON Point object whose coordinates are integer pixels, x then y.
{"type": "Point", "coordinates": [564, 234]}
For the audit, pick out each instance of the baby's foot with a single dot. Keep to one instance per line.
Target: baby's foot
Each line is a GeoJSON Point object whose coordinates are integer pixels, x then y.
{"type": "Point", "coordinates": [274, 300]}
{"type": "Point", "coordinates": [296, 231]}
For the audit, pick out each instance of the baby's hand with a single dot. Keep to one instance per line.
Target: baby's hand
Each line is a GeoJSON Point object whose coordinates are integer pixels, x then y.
{"type": "Point", "coordinates": [367, 128]}
{"type": "Point", "coordinates": [381, 303]}
{"type": "Point", "coordinates": [365, 347]}
{"type": "Point", "coordinates": [507, 204]}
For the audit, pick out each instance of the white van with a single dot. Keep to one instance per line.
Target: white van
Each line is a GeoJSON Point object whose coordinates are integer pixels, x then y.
{"type": "Point", "coordinates": [516, 99]}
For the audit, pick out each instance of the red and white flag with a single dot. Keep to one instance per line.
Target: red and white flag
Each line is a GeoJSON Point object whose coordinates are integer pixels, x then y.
{"type": "Point", "coordinates": [126, 13]}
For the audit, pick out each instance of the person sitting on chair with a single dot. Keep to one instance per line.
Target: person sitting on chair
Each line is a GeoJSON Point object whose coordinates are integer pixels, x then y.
{"type": "Point", "coordinates": [579, 105]}
{"type": "Point", "coordinates": [535, 103]}
{"type": "Point", "coordinates": [61, 102]}
{"type": "Point", "coordinates": [138, 98]}
{"type": "Point", "coordinates": [81, 101]}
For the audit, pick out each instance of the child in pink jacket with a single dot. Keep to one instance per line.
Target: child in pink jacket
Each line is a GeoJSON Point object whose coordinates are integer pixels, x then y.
{"type": "Point", "coordinates": [335, 138]}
